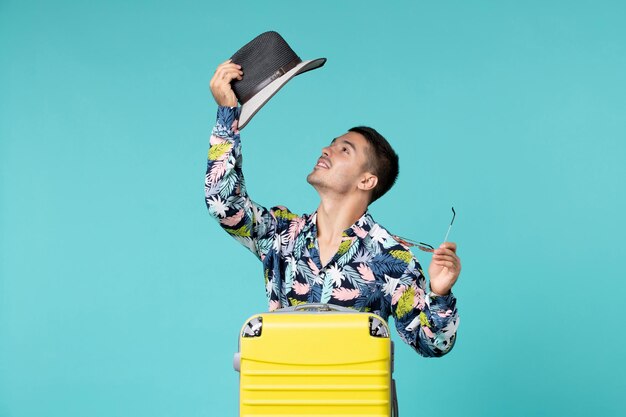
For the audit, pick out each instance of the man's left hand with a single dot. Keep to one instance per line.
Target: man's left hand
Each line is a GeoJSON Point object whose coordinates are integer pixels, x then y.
{"type": "Point", "coordinates": [444, 268]}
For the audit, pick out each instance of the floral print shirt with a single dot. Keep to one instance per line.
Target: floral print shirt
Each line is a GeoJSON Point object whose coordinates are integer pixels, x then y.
{"type": "Point", "coordinates": [371, 271]}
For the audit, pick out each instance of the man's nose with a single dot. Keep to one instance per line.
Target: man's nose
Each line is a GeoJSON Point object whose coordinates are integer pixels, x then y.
{"type": "Point", "coordinates": [326, 150]}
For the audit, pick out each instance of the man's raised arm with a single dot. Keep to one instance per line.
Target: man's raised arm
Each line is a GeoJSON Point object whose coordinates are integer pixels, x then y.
{"type": "Point", "coordinates": [225, 192]}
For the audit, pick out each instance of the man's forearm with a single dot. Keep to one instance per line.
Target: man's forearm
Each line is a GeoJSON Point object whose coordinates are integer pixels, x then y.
{"type": "Point", "coordinates": [223, 175]}
{"type": "Point", "coordinates": [225, 192]}
{"type": "Point", "coordinates": [427, 322]}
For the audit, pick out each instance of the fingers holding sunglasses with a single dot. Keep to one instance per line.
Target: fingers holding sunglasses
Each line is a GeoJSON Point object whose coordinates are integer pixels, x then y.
{"type": "Point", "coordinates": [444, 257]}
{"type": "Point", "coordinates": [444, 252]}
{"type": "Point", "coordinates": [452, 262]}
{"type": "Point", "coordinates": [447, 245]}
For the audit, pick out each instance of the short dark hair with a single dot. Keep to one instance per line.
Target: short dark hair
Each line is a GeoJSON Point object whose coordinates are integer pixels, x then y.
{"type": "Point", "coordinates": [382, 159]}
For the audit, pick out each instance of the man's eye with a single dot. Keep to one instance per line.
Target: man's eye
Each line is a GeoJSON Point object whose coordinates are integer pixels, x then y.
{"type": "Point", "coordinates": [345, 149]}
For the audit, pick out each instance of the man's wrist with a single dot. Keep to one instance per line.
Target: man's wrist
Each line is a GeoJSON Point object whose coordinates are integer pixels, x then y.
{"type": "Point", "coordinates": [442, 299]}
{"type": "Point", "coordinates": [440, 292]}
{"type": "Point", "coordinates": [226, 115]}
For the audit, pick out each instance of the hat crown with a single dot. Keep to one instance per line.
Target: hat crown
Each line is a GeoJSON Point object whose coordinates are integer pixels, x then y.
{"type": "Point", "coordinates": [260, 60]}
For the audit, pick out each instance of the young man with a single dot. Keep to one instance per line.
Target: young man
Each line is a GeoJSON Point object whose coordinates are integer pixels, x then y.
{"type": "Point", "coordinates": [338, 254]}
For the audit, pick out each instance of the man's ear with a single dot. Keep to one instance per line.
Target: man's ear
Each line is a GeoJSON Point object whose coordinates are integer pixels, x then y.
{"type": "Point", "coordinates": [368, 181]}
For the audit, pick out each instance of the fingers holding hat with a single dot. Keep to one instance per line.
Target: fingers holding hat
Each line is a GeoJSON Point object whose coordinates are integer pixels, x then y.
{"type": "Point", "coordinates": [227, 62]}
{"type": "Point", "coordinates": [228, 71]}
{"type": "Point", "coordinates": [220, 83]}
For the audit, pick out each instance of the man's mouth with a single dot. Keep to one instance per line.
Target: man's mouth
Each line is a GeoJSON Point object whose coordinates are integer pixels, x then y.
{"type": "Point", "coordinates": [323, 163]}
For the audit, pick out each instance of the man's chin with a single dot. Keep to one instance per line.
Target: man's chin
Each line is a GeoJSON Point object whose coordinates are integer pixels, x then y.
{"type": "Point", "coordinates": [311, 179]}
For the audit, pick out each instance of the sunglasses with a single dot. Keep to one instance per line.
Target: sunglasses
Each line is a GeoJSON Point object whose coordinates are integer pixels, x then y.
{"type": "Point", "coordinates": [421, 245]}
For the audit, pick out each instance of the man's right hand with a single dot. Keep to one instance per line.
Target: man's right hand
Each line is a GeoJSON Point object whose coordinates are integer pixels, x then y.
{"type": "Point", "coordinates": [220, 83]}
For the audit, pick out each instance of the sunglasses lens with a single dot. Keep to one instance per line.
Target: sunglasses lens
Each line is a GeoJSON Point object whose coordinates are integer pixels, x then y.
{"type": "Point", "coordinates": [420, 245]}
{"type": "Point", "coordinates": [404, 241]}
{"type": "Point", "coordinates": [425, 247]}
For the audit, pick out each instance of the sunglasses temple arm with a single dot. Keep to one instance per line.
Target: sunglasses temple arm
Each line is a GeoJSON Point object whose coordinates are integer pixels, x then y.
{"type": "Point", "coordinates": [445, 239]}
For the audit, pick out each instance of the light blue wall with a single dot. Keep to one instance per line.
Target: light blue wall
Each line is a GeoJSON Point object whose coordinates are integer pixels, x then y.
{"type": "Point", "coordinates": [120, 296]}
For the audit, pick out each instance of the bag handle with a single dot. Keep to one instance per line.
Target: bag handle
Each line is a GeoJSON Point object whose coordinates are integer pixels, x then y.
{"type": "Point", "coordinates": [317, 307]}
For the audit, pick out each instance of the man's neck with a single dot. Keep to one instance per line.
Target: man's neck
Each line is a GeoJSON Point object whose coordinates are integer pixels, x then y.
{"type": "Point", "coordinates": [336, 215]}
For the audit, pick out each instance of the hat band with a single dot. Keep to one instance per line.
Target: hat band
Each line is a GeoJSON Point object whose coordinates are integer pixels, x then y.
{"type": "Point", "coordinates": [279, 73]}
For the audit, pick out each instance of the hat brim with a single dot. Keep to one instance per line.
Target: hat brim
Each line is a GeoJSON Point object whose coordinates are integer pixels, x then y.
{"type": "Point", "coordinates": [254, 104]}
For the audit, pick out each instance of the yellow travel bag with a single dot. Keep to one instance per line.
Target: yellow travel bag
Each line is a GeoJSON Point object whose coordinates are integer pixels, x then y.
{"type": "Point", "coordinates": [316, 360]}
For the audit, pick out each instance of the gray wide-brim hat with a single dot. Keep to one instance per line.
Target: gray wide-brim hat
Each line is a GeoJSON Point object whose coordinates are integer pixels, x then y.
{"type": "Point", "coordinates": [268, 63]}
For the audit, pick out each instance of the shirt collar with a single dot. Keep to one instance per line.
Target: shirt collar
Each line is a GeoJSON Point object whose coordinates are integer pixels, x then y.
{"type": "Point", "coordinates": [360, 227]}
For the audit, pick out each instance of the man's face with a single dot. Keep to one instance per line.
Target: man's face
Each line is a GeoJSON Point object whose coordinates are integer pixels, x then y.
{"type": "Point", "coordinates": [342, 165]}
